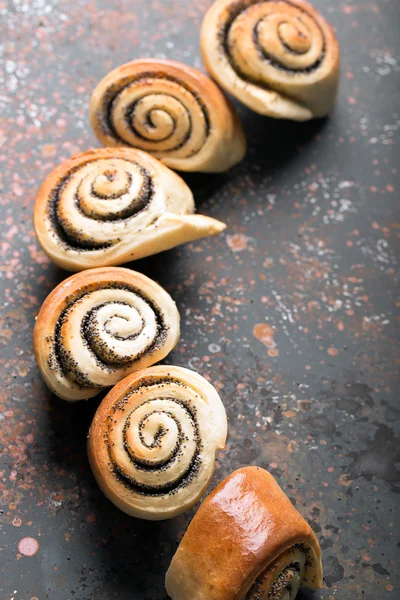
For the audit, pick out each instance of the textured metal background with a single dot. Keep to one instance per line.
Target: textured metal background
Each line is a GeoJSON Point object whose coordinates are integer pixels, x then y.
{"type": "Point", "coordinates": [291, 313]}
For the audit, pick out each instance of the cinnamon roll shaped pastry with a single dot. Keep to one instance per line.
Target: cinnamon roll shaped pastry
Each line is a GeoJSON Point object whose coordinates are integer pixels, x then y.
{"type": "Point", "coordinates": [153, 440]}
{"type": "Point", "coordinates": [114, 205]}
{"type": "Point", "coordinates": [170, 110]}
{"type": "Point", "coordinates": [279, 57]}
{"type": "Point", "coordinates": [98, 326]}
{"type": "Point", "coordinates": [246, 542]}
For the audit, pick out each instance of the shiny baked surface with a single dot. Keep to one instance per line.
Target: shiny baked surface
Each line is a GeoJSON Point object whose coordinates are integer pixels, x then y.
{"type": "Point", "coordinates": [246, 542]}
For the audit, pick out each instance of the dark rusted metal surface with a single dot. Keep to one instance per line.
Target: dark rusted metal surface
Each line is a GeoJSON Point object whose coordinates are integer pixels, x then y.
{"type": "Point", "coordinates": [291, 313]}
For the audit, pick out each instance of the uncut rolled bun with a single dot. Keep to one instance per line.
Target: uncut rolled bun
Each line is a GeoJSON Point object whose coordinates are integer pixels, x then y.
{"type": "Point", "coordinates": [170, 110]}
{"type": "Point", "coordinates": [98, 326]}
{"type": "Point", "coordinates": [114, 205]}
{"type": "Point", "coordinates": [279, 57]}
{"type": "Point", "coordinates": [246, 542]}
{"type": "Point", "coordinates": [153, 440]}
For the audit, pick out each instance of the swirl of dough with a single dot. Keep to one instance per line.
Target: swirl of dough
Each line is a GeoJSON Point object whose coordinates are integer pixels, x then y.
{"type": "Point", "coordinates": [153, 440]}
{"type": "Point", "coordinates": [98, 326]}
{"type": "Point", "coordinates": [246, 542]}
{"type": "Point", "coordinates": [281, 580]}
{"type": "Point", "coordinates": [113, 205]}
{"type": "Point", "coordinates": [170, 110]}
{"type": "Point", "coordinates": [279, 57]}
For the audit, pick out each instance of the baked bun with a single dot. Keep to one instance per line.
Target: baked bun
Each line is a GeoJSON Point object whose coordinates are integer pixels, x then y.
{"type": "Point", "coordinates": [98, 326]}
{"type": "Point", "coordinates": [246, 542]}
{"type": "Point", "coordinates": [114, 205]}
{"type": "Point", "coordinates": [153, 440]}
{"type": "Point", "coordinates": [279, 57]}
{"type": "Point", "coordinates": [170, 110]}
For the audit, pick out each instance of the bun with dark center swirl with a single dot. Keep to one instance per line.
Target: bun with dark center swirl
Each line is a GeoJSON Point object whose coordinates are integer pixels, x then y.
{"type": "Point", "coordinates": [279, 57]}
{"type": "Point", "coordinates": [246, 542]}
{"type": "Point", "coordinates": [170, 110]}
{"type": "Point", "coordinates": [153, 440]}
{"type": "Point", "coordinates": [114, 205]}
{"type": "Point", "coordinates": [98, 326]}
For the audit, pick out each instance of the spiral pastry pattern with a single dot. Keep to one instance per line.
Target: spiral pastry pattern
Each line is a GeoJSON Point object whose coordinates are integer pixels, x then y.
{"type": "Point", "coordinates": [114, 205]}
{"type": "Point", "coordinates": [283, 579]}
{"type": "Point", "coordinates": [170, 110]}
{"type": "Point", "coordinates": [98, 326]}
{"type": "Point", "coordinates": [246, 542]}
{"type": "Point", "coordinates": [279, 57]}
{"type": "Point", "coordinates": [153, 440]}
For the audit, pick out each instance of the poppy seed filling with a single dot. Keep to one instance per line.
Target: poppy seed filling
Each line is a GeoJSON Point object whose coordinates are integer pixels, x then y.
{"type": "Point", "coordinates": [176, 453]}
{"type": "Point", "coordinates": [62, 359]}
{"type": "Point", "coordinates": [70, 236]}
{"type": "Point", "coordinates": [285, 579]}
{"type": "Point", "coordinates": [112, 95]}
{"type": "Point", "coordinates": [235, 9]}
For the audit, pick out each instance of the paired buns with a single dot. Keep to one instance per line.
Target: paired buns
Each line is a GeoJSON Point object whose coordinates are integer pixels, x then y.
{"type": "Point", "coordinates": [114, 205]}
{"type": "Point", "coordinates": [279, 57]}
{"type": "Point", "coordinates": [153, 440]}
{"type": "Point", "coordinates": [152, 447]}
{"type": "Point", "coordinates": [246, 542]}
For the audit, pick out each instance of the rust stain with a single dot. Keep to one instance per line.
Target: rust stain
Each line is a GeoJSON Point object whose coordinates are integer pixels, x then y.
{"type": "Point", "coordinates": [273, 352]}
{"type": "Point", "coordinates": [289, 413]}
{"type": "Point", "coordinates": [237, 242]}
{"type": "Point", "coordinates": [265, 334]}
{"type": "Point", "coordinates": [345, 480]}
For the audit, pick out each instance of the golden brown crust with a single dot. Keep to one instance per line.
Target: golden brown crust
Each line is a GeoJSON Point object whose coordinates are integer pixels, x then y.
{"type": "Point", "coordinates": [172, 111]}
{"type": "Point", "coordinates": [242, 528]}
{"type": "Point", "coordinates": [114, 205]}
{"type": "Point", "coordinates": [279, 57]}
{"type": "Point", "coordinates": [153, 439]}
{"type": "Point", "coordinates": [99, 325]}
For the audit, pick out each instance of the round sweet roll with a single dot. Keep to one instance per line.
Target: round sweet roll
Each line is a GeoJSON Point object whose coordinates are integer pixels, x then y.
{"type": "Point", "coordinates": [246, 542]}
{"type": "Point", "coordinates": [113, 205]}
{"type": "Point", "coordinates": [279, 57]}
{"type": "Point", "coordinates": [98, 326]}
{"type": "Point", "coordinates": [170, 110]}
{"type": "Point", "coordinates": [153, 440]}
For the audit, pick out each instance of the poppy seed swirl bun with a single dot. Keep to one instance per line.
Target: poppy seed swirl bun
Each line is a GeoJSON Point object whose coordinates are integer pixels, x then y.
{"type": "Point", "coordinates": [153, 440]}
{"type": "Point", "coordinates": [246, 542]}
{"type": "Point", "coordinates": [98, 326]}
{"type": "Point", "coordinates": [171, 110]}
{"type": "Point", "coordinates": [114, 205]}
{"type": "Point", "coordinates": [279, 57]}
